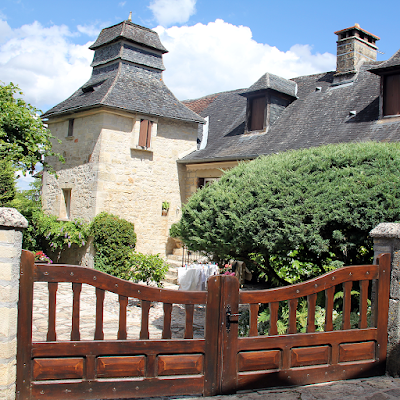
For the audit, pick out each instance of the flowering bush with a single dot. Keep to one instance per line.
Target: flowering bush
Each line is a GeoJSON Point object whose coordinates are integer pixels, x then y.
{"type": "Point", "coordinates": [41, 257]}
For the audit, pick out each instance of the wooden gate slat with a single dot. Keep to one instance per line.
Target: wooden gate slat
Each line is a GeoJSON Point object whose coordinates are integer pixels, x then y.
{"type": "Point", "coordinates": [51, 330]}
{"type": "Point", "coordinates": [122, 332]}
{"type": "Point", "coordinates": [292, 327]}
{"type": "Point", "coordinates": [144, 330]}
{"type": "Point", "coordinates": [363, 323]}
{"type": "Point", "coordinates": [311, 301]}
{"type": "Point", "coordinates": [346, 324]}
{"type": "Point", "coordinates": [166, 333]}
{"type": "Point", "coordinates": [76, 288]}
{"type": "Point", "coordinates": [329, 294]}
{"type": "Point", "coordinates": [99, 334]}
{"type": "Point", "coordinates": [189, 308]}
{"type": "Point", "coordinates": [253, 331]}
{"type": "Point", "coordinates": [273, 319]}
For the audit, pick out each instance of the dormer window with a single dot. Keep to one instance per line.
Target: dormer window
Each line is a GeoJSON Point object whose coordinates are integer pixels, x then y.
{"type": "Point", "coordinates": [391, 95]}
{"type": "Point", "coordinates": [266, 100]}
{"type": "Point", "coordinates": [256, 119]}
{"type": "Point", "coordinates": [389, 71]}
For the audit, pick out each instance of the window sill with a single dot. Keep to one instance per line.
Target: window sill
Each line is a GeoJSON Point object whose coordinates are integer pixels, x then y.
{"type": "Point", "coordinates": [140, 148]}
{"type": "Point", "coordinates": [389, 118]}
{"type": "Point", "coordinates": [70, 137]}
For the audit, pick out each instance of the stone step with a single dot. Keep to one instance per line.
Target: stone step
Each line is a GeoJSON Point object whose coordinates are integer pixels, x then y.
{"type": "Point", "coordinates": [172, 273]}
{"type": "Point", "coordinates": [174, 257]}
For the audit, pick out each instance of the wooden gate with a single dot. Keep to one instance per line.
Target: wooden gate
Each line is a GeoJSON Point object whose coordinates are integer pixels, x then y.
{"type": "Point", "coordinates": [219, 363]}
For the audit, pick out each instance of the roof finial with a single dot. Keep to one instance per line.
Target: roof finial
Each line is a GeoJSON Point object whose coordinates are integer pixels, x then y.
{"type": "Point", "coordinates": [130, 16]}
{"type": "Point", "coordinates": [357, 25]}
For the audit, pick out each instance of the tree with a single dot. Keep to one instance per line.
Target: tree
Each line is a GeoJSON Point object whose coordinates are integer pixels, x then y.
{"type": "Point", "coordinates": [7, 182]}
{"type": "Point", "coordinates": [24, 140]}
{"type": "Point", "coordinates": [299, 213]}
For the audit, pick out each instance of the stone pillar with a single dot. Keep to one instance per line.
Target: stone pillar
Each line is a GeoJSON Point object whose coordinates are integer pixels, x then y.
{"type": "Point", "coordinates": [387, 240]}
{"type": "Point", "coordinates": [12, 224]}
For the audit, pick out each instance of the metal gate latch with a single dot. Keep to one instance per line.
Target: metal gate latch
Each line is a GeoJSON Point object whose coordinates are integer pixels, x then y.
{"type": "Point", "coordinates": [230, 318]}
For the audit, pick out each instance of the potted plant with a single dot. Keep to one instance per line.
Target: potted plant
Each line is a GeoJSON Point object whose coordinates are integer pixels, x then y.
{"type": "Point", "coordinates": [165, 208]}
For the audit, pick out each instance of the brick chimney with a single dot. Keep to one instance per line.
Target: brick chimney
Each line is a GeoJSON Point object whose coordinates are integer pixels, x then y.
{"type": "Point", "coordinates": [354, 46]}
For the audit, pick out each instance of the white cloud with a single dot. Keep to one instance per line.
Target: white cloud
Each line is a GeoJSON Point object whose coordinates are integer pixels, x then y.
{"type": "Point", "coordinates": [90, 30]}
{"type": "Point", "coordinates": [44, 62]}
{"type": "Point", "coordinates": [122, 3]}
{"type": "Point", "coordinates": [219, 56]}
{"type": "Point", "coordinates": [168, 12]}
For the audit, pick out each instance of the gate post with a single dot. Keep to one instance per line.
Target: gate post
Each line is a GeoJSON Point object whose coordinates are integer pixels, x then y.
{"type": "Point", "coordinates": [387, 240]}
{"type": "Point", "coordinates": [12, 224]}
{"type": "Point", "coordinates": [220, 373]}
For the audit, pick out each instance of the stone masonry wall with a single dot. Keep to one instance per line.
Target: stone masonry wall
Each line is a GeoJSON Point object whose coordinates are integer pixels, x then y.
{"type": "Point", "coordinates": [11, 225]}
{"type": "Point", "coordinates": [387, 240]}
{"type": "Point", "coordinates": [79, 172]}
{"type": "Point", "coordinates": [133, 183]}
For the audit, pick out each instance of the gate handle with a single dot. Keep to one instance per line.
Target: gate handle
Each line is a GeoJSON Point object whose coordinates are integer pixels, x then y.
{"type": "Point", "coordinates": [230, 318]}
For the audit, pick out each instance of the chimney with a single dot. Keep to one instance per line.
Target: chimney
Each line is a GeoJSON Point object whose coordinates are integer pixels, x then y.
{"type": "Point", "coordinates": [354, 46]}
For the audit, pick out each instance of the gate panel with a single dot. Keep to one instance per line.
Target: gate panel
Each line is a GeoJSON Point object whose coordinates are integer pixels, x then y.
{"type": "Point", "coordinates": [312, 357]}
{"type": "Point", "coordinates": [120, 368]}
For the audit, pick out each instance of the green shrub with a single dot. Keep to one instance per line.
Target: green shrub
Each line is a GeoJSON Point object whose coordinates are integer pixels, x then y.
{"type": "Point", "coordinates": [316, 205]}
{"type": "Point", "coordinates": [174, 231]}
{"type": "Point", "coordinates": [114, 239]}
{"type": "Point", "coordinates": [147, 268]}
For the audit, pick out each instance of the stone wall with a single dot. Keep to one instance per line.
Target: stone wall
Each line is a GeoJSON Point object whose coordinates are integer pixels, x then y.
{"type": "Point", "coordinates": [106, 170]}
{"type": "Point", "coordinates": [11, 225]}
{"type": "Point", "coordinates": [205, 170]}
{"type": "Point", "coordinates": [387, 240]}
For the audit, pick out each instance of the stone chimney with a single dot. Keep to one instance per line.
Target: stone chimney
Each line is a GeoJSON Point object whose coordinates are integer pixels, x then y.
{"type": "Point", "coordinates": [354, 47]}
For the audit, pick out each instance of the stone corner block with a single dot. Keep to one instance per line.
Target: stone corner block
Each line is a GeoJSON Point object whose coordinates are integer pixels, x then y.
{"type": "Point", "coordinates": [386, 230]}
{"type": "Point", "coordinates": [12, 218]}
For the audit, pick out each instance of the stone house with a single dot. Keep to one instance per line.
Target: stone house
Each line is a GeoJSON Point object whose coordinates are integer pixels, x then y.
{"type": "Point", "coordinates": [359, 101]}
{"type": "Point", "coordinates": [129, 144]}
{"type": "Point", "coordinates": [121, 135]}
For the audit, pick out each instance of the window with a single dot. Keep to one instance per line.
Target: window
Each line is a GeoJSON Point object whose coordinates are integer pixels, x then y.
{"type": "Point", "coordinates": [145, 133]}
{"type": "Point", "coordinates": [65, 211]}
{"type": "Point", "coordinates": [201, 182]}
{"type": "Point", "coordinates": [257, 114]}
{"type": "Point", "coordinates": [391, 95]}
{"type": "Point", "coordinates": [70, 127]}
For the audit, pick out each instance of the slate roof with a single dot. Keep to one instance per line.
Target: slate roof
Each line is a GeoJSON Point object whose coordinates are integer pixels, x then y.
{"type": "Point", "coordinates": [129, 31]}
{"type": "Point", "coordinates": [126, 77]}
{"type": "Point", "coordinates": [392, 64]}
{"type": "Point", "coordinates": [317, 117]}
{"type": "Point", "coordinates": [271, 81]}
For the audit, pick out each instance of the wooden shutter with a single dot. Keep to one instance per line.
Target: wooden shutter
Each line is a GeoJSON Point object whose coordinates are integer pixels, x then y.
{"type": "Point", "coordinates": [145, 133]}
{"type": "Point", "coordinates": [391, 100]}
{"type": "Point", "coordinates": [149, 125]}
{"type": "Point", "coordinates": [257, 114]}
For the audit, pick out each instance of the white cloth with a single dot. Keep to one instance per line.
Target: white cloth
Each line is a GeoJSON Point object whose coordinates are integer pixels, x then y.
{"type": "Point", "coordinates": [194, 276]}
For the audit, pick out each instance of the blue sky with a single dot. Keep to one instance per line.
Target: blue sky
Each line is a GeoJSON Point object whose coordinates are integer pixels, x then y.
{"type": "Point", "coordinates": [213, 45]}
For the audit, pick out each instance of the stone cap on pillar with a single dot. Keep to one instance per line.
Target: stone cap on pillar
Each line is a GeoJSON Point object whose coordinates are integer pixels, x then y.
{"type": "Point", "coordinates": [387, 230]}
{"type": "Point", "coordinates": [10, 217]}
